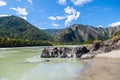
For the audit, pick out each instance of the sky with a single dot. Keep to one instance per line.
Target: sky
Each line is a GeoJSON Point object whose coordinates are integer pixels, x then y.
{"type": "Point", "coordinates": [57, 14]}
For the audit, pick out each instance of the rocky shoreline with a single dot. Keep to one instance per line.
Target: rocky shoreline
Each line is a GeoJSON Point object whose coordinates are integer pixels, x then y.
{"type": "Point", "coordinates": [83, 52]}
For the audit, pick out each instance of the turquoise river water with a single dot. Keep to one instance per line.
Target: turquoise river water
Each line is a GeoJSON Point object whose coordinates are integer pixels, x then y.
{"type": "Point", "coordinates": [25, 64]}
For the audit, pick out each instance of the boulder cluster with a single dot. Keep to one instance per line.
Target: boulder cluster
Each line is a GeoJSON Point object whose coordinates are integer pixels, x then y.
{"type": "Point", "coordinates": [63, 52]}
{"type": "Point", "coordinates": [97, 47]}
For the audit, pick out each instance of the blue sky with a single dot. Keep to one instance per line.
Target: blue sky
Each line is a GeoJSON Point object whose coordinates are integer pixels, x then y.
{"type": "Point", "coordinates": [62, 13]}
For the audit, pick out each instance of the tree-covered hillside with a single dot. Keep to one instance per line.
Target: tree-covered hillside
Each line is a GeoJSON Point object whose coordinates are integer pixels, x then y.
{"type": "Point", "coordinates": [18, 28]}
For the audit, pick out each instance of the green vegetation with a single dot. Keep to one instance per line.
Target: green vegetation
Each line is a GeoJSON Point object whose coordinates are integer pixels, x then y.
{"type": "Point", "coordinates": [8, 42]}
{"type": "Point", "coordinates": [89, 41]}
{"type": "Point", "coordinates": [17, 28]}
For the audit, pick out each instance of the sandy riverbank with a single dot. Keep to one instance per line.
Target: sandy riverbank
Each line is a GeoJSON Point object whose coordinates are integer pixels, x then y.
{"type": "Point", "coordinates": [104, 67]}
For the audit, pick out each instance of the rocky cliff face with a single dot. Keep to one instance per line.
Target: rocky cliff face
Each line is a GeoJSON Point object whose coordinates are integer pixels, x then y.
{"type": "Point", "coordinates": [81, 33]}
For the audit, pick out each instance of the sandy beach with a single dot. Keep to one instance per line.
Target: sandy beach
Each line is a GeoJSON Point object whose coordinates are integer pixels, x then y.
{"type": "Point", "coordinates": [104, 66]}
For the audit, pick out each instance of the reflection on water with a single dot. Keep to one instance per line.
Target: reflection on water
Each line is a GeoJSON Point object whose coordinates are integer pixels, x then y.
{"type": "Point", "coordinates": [26, 64]}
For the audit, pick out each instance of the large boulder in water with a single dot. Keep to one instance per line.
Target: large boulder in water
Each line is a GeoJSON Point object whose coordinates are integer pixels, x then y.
{"type": "Point", "coordinates": [62, 52]}
{"type": "Point", "coordinates": [65, 52]}
{"type": "Point", "coordinates": [46, 53]}
{"type": "Point", "coordinates": [55, 52]}
{"type": "Point", "coordinates": [50, 52]}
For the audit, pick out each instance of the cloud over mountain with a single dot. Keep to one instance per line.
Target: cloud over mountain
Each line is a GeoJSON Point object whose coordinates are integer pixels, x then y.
{"type": "Point", "coordinates": [21, 11]}
{"type": "Point", "coordinates": [114, 24]}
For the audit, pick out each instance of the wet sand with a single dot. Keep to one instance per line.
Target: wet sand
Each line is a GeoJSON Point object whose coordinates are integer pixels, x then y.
{"type": "Point", "coordinates": [104, 67]}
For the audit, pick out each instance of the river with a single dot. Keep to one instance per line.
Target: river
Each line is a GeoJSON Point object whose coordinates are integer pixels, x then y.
{"type": "Point", "coordinates": [24, 63]}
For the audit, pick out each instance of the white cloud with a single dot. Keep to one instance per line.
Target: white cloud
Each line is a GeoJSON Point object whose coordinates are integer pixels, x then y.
{"type": "Point", "coordinates": [114, 24]}
{"type": "Point", "coordinates": [77, 15]}
{"type": "Point", "coordinates": [2, 3]}
{"type": "Point", "coordinates": [52, 18]}
{"type": "Point", "coordinates": [21, 11]}
{"type": "Point", "coordinates": [62, 2]}
{"type": "Point", "coordinates": [41, 28]}
{"type": "Point", "coordinates": [24, 17]}
{"type": "Point", "coordinates": [56, 18]}
{"type": "Point", "coordinates": [55, 25]}
{"type": "Point", "coordinates": [69, 10]}
{"type": "Point", "coordinates": [100, 26]}
{"type": "Point", "coordinates": [71, 14]}
{"type": "Point", "coordinates": [3, 15]}
{"type": "Point", "coordinates": [60, 17]}
{"type": "Point", "coordinates": [80, 2]}
{"type": "Point", "coordinates": [30, 1]}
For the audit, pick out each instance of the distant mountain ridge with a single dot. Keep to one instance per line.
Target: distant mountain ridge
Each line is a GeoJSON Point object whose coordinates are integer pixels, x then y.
{"type": "Point", "coordinates": [52, 32]}
{"type": "Point", "coordinates": [18, 28]}
{"type": "Point", "coordinates": [82, 33]}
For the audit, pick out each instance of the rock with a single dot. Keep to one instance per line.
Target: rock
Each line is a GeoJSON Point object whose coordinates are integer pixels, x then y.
{"type": "Point", "coordinates": [62, 52]}
{"type": "Point", "coordinates": [79, 51]}
{"type": "Point", "coordinates": [107, 43]}
{"type": "Point", "coordinates": [118, 43]}
{"type": "Point", "coordinates": [87, 56]}
{"type": "Point", "coordinates": [46, 53]}
{"type": "Point", "coordinates": [105, 49]}
{"type": "Point", "coordinates": [65, 52]}
{"type": "Point", "coordinates": [115, 39]}
{"type": "Point", "coordinates": [55, 52]}
{"type": "Point", "coordinates": [96, 45]}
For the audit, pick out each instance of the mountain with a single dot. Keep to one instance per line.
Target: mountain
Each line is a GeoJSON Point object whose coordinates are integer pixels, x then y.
{"type": "Point", "coordinates": [82, 33]}
{"type": "Point", "coordinates": [52, 32]}
{"type": "Point", "coordinates": [18, 28]}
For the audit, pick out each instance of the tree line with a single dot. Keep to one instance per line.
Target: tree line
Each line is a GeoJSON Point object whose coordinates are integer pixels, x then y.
{"type": "Point", "coordinates": [9, 42]}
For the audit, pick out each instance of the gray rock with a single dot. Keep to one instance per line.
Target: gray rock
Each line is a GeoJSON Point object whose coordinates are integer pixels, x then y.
{"type": "Point", "coordinates": [97, 44]}
{"type": "Point", "coordinates": [65, 52]}
{"type": "Point", "coordinates": [55, 52]}
{"type": "Point", "coordinates": [62, 52]}
{"type": "Point", "coordinates": [118, 43]}
{"type": "Point", "coordinates": [46, 53]}
{"type": "Point", "coordinates": [79, 51]}
{"type": "Point", "coordinates": [87, 56]}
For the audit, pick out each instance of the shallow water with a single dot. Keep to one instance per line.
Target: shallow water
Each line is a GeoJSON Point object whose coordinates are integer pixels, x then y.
{"type": "Point", "coordinates": [25, 64]}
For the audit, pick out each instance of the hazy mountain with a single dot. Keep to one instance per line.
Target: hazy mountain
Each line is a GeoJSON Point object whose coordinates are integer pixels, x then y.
{"type": "Point", "coordinates": [52, 32]}
{"type": "Point", "coordinates": [18, 28]}
{"type": "Point", "coordinates": [81, 33]}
